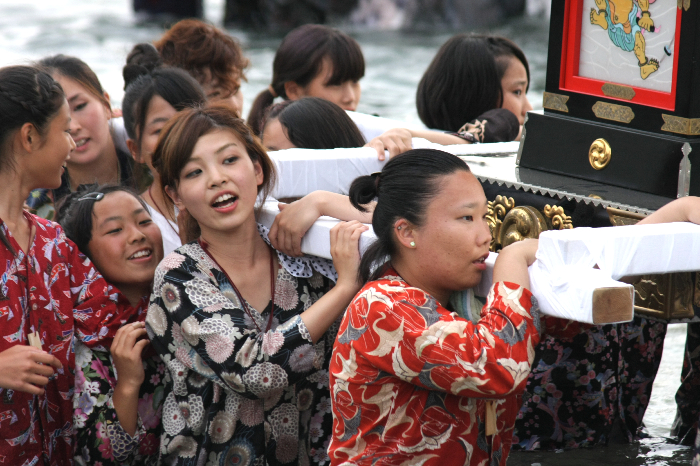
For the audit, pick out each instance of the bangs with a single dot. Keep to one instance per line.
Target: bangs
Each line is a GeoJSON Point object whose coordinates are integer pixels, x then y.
{"type": "Point", "coordinates": [347, 60]}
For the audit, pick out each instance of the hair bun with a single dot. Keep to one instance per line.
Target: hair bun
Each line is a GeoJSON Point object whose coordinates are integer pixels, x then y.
{"type": "Point", "coordinates": [363, 190]}
{"type": "Point", "coordinates": [142, 59]}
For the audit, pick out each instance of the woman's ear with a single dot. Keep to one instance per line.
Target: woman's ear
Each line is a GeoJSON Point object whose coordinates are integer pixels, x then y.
{"type": "Point", "coordinates": [259, 174]}
{"type": "Point", "coordinates": [293, 90]}
{"type": "Point", "coordinates": [28, 137]}
{"type": "Point", "coordinates": [405, 233]}
{"type": "Point", "coordinates": [134, 150]}
{"type": "Point", "coordinates": [108, 108]}
{"type": "Point", "coordinates": [173, 195]}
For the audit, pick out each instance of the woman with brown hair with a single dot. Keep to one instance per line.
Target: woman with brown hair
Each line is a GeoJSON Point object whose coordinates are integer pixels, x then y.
{"type": "Point", "coordinates": [211, 56]}
{"type": "Point", "coordinates": [244, 330]}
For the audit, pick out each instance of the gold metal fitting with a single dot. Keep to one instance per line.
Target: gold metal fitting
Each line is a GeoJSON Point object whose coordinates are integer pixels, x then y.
{"type": "Point", "coordinates": [599, 154]}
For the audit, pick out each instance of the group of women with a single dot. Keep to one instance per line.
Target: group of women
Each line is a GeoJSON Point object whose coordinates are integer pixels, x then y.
{"type": "Point", "coordinates": [158, 322]}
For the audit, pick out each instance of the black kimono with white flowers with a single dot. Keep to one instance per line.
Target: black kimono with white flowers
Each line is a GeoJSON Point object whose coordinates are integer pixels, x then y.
{"type": "Point", "coordinates": [239, 394]}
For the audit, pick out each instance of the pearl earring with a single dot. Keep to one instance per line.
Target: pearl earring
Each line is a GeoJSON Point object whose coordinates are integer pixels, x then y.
{"type": "Point", "coordinates": [399, 227]}
{"type": "Point", "coordinates": [413, 244]}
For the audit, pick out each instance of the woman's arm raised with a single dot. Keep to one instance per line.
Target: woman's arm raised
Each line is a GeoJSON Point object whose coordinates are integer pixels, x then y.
{"type": "Point", "coordinates": [195, 325]}
{"type": "Point", "coordinates": [295, 219]}
{"type": "Point", "coordinates": [685, 209]}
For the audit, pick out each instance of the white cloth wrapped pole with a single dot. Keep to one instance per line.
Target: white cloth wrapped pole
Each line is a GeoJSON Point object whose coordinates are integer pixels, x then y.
{"type": "Point", "coordinates": [566, 260]}
{"type": "Point", "coordinates": [316, 242]}
{"type": "Point", "coordinates": [372, 126]}
{"type": "Point", "coordinates": [301, 171]}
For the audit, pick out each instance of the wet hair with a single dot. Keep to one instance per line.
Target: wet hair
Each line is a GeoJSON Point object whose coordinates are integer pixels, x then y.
{"type": "Point", "coordinates": [403, 189]}
{"type": "Point", "coordinates": [180, 135]}
{"type": "Point", "coordinates": [299, 59]}
{"type": "Point", "coordinates": [174, 85]}
{"type": "Point", "coordinates": [77, 70]}
{"type": "Point", "coordinates": [27, 95]}
{"type": "Point", "coordinates": [315, 123]}
{"type": "Point", "coordinates": [464, 80]}
{"type": "Point", "coordinates": [195, 46]}
{"type": "Point", "coordinates": [75, 212]}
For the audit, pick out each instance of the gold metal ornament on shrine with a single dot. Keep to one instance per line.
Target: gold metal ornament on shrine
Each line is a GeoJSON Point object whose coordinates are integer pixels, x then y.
{"type": "Point", "coordinates": [599, 154]}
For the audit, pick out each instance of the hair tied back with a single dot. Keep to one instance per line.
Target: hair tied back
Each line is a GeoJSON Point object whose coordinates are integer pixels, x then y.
{"type": "Point", "coordinates": [376, 176]}
{"type": "Point", "coordinates": [272, 91]}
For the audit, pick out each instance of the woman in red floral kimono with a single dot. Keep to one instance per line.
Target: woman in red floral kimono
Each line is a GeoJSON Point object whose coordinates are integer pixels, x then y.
{"type": "Point", "coordinates": [49, 291]}
{"type": "Point", "coordinates": [411, 381]}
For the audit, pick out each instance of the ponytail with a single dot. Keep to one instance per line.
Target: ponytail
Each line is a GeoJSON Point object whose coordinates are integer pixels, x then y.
{"type": "Point", "coordinates": [299, 59]}
{"type": "Point", "coordinates": [403, 190]}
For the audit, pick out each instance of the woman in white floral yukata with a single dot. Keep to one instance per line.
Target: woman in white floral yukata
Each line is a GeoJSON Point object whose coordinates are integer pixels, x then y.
{"type": "Point", "coordinates": [246, 332]}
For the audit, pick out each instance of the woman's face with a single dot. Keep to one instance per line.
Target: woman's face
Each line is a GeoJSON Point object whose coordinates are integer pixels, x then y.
{"type": "Point", "coordinates": [158, 113]}
{"type": "Point", "coordinates": [217, 94]}
{"type": "Point", "coordinates": [345, 95]}
{"type": "Point", "coordinates": [219, 184]}
{"type": "Point", "coordinates": [454, 238]}
{"type": "Point", "coordinates": [274, 136]}
{"type": "Point", "coordinates": [514, 86]}
{"type": "Point", "coordinates": [126, 245]}
{"type": "Point", "coordinates": [89, 122]}
{"type": "Point", "coordinates": [46, 165]}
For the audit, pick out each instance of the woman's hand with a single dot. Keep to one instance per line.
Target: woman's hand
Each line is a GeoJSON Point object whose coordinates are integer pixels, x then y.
{"type": "Point", "coordinates": [396, 141]}
{"type": "Point", "coordinates": [292, 223]}
{"type": "Point", "coordinates": [126, 350]}
{"type": "Point", "coordinates": [26, 369]}
{"type": "Point", "coordinates": [345, 249]}
{"type": "Point", "coordinates": [513, 261]}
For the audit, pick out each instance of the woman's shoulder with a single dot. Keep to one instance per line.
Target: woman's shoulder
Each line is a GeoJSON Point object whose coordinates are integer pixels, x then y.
{"type": "Point", "coordinates": [48, 229]}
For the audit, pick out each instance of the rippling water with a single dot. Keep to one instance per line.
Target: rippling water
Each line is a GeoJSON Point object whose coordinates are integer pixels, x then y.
{"type": "Point", "coordinates": [102, 32]}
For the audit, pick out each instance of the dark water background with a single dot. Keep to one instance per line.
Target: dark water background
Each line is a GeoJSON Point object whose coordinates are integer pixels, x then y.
{"type": "Point", "coordinates": [102, 32]}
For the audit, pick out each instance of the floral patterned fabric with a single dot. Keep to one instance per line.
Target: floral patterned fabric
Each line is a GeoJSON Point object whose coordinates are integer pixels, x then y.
{"type": "Point", "coordinates": [587, 381]}
{"type": "Point", "coordinates": [99, 435]}
{"type": "Point", "coordinates": [239, 394]}
{"type": "Point", "coordinates": [55, 291]}
{"type": "Point", "coordinates": [685, 426]}
{"type": "Point", "coordinates": [411, 382]}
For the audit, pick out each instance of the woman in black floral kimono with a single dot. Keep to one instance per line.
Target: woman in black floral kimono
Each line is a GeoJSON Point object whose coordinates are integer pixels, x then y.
{"type": "Point", "coordinates": [245, 331]}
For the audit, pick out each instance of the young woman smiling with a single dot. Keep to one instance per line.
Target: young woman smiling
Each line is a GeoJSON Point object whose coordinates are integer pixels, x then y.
{"type": "Point", "coordinates": [95, 159]}
{"type": "Point", "coordinates": [117, 410]}
{"type": "Point", "coordinates": [245, 330]}
{"type": "Point", "coordinates": [52, 292]}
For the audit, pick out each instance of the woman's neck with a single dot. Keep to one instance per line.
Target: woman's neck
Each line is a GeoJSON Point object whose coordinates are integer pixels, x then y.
{"type": "Point", "coordinates": [413, 275]}
{"type": "Point", "coordinates": [155, 198]}
{"type": "Point", "coordinates": [104, 169]}
{"type": "Point", "coordinates": [239, 249]}
{"type": "Point", "coordinates": [13, 194]}
{"type": "Point", "coordinates": [134, 293]}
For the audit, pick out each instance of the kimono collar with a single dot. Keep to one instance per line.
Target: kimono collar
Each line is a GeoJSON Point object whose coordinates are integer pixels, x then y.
{"type": "Point", "coordinates": [302, 267]}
